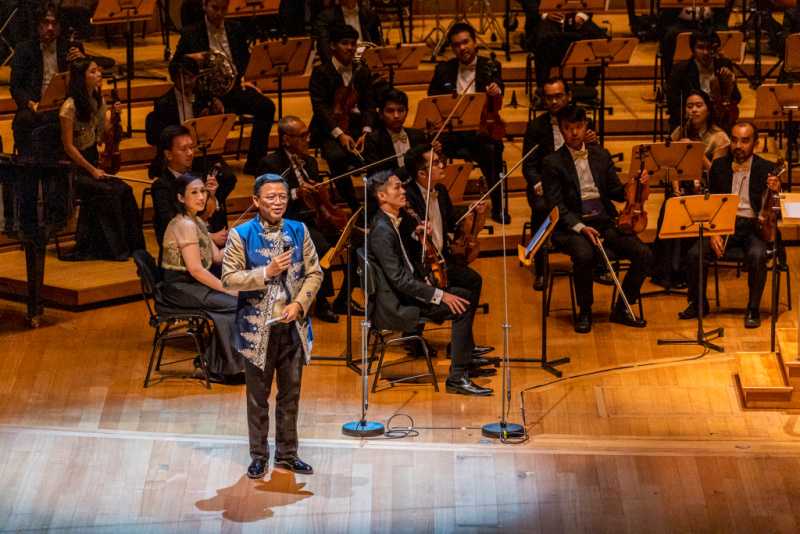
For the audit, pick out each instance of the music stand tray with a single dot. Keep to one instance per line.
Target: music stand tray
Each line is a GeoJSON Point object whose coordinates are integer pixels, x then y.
{"type": "Point", "coordinates": [571, 6]}
{"type": "Point", "coordinates": [780, 102]}
{"type": "Point", "coordinates": [731, 46]}
{"type": "Point", "coordinates": [791, 61]}
{"type": "Point", "coordinates": [55, 93]}
{"type": "Point", "coordinates": [277, 59]}
{"type": "Point", "coordinates": [394, 58]}
{"type": "Point", "coordinates": [675, 160]}
{"type": "Point", "coordinates": [455, 180]}
{"type": "Point", "coordinates": [433, 110]}
{"type": "Point", "coordinates": [211, 132]}
{"type": "Point", "coordinates": [701, 216]}
{"type": "Point", "coordinates": [251, 8]}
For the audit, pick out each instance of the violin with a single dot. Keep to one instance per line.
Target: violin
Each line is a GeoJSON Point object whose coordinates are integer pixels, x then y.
{"type": "Point", "coordinates": [492, 123]}
{"type": "Point", "coordinates": [726, 112]}
{"type": "Point", "coordinates": [633, 219]}
{"type": "Point", "coordinates": [465, 247]}
{"type": "Point", "coordinates": [770, 208]}
{"type": "Point", "coordinates": [437, 267]}
{"type": "Point", "coordinates": [110, 159]}
{"type": "Point", "coordinates": [344, 101]}
{"type": "Point", "coordinates": [326, 213]}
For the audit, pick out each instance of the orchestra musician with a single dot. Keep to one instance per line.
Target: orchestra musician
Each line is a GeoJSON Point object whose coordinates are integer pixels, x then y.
{"type": "Point", "coordinates": [470, 73]}
{"type": "Point", "coordinates": [404, 297]}
{"type": "Point", "coordinates": [33, 65]}
{"type": "Point", "coordinates": [545, 132]}
{"type": "Point", "coordinates": [743, 173]}
{"type": "Point", "coordinates": [189, 254]}
{"type": "Point", "coordinates": [708, 72]}
{"type": "Point", "coordinates": [179, 104]}
{"type": "Point", "coordinates": [391, 136]}
{"type": "Point", "coordinates": [354, 13]}
{"type": "Point", "coordinates": [344, 110]}
{"type": "Point", "coordinates": [216, 34]}
{"type": "Point", "coordinates": [176, 152]}
{"type": "Point", "coordinates": [108, 224]}
{"type": "Point", "coordinates": [581, 181]}
{"type": "Point", "coordinates": [693, 18]}
{"type": "Point", "coordinates": [272, 262]}
{"type": "Point", "coordinates": [304, 172]}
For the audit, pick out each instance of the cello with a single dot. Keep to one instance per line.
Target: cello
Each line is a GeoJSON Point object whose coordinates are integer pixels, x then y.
{"type": "Point", "coordinates": [633, 219]}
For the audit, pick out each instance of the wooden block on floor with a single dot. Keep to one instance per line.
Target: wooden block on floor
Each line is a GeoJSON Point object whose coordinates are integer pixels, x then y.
{"type": "Point", "coordinates": [762, 380]}
{"type": "Point", "coordinates": [787, 344]}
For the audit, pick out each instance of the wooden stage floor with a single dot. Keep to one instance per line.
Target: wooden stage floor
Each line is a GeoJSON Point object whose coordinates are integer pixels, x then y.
{"type": "Point", "coordinates": [661, 439]}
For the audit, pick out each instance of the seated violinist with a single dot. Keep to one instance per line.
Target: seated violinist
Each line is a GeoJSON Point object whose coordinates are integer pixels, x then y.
{"type": "Point", "coordinates": [581, 181]}
{"type": "Point", "coordinates": [391, 137]}
{"type": "Point", "coordinates": [342, 101]}
{"type": "Point", "coordinates": [189, 254]}
{"type": "Point", "coordinates": [708, 72]}
{"type": "Point", "coordinates": [745, 174]}
{"type": "Point", "coordinates": [324, 222]}
{"type": "Point", "coordinates": [176, 153]}
{"type": "Point", "coordinates": [404, 295]}
{"type": "Point", "coordinates": [470, 73]}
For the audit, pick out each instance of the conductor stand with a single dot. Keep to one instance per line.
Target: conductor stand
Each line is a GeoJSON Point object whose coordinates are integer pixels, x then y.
{"type": "Point", "coordinates": [704, 216]}
{"type": "Point", "coordinates": [540, 239]}
{"type": "Point", "coordinates": [364, 428]}
{"type": "Point", "coordinates": [128, 12]}
{"type": "Point", "coordinates": [277, 59]}
{"type": "Point", "coordinates": [601, 53]}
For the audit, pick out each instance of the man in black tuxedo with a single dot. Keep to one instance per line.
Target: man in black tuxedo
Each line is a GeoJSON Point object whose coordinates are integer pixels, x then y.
{"type": "Point", "coordinates": [745, 174]}
{"type": "Point", "coordinates": [215, 33]}
{"type": "Point", "coordinates": [303, 171]}
{"type": "Point", "coordinates": [342, 144]}
{"type": "Point", "coordinates": [581, 181]}
{"type": "Point", "coordinates": [672, 22]}
{"type": "Point", "coordinates": [402, 295]}
{"type": "Point", "coordinates": [545, 132]}
{"type": "Point", "coordinates": [353, 13]}
{"type": "Point", "coordinates": [470, 73]}
{"type": "Point", "coordinates": [701, 73]}
{"type": "Point", "coordinates": [35, 63]}
{"type": "Point", "coordinates": [391, 137]}
{"type": "Point", "coordinates": [176, 151]}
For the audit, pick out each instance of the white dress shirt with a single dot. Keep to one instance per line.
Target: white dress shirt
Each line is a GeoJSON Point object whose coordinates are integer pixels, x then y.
{"type": "Point", "coordinates": [185, 106]}
{"type": "Point", "coordinates": [351, 18]}
{"type": "Point", "coordinates": [49, 64]}
{"type": "Point", "coordinates": [588, 186]}
{"type": "Point", "coordinates": [434, 217]}
{"type": "Point", "coordinates": [401, 145]}
{"type": "Point", "coordinates": [741, 187]}
{"type": "Point", "coordinates": [438, 293]}
{"type": "Point", "coordinates": [558, 137]}
{"type": "Point", "coordinates": [218, 41]}
{"type": "Point", "coordinates": [466, 77]}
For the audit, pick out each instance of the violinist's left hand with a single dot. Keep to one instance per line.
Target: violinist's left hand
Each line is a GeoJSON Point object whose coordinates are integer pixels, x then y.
{"type": "Point", "coordinates": [644, 177]}
{"type": "Point", "coordinates": [774, 183]}
{"type": "Point", "coordinates": [726, 75]}
{"type": "Point", "coordinates": [590, 138]}
{"type": "Point", "coordinates": [480, 207]}
{"type": "Point", "coordinates": [212, 185]}
{"type": "Point", "coordinates": [437, 146]}
{"type": "Point", "coordinates": [74, 53]}
{"type": "Point", "coordinates": [359, 147]}
{"type": "Point", "coordinates": [493, 89]}
{"type": "Point", "coordinates": [420, 229]}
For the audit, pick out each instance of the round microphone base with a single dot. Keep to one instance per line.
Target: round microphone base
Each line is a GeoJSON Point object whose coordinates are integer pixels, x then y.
{"type": "Point", "coordinates": [503, 430]}
{"type": "Point", "coordinates": [363, 429]}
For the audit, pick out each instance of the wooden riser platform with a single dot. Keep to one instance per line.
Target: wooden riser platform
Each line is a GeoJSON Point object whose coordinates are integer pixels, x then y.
{"type": "Point", "coordinates": [771, 380]}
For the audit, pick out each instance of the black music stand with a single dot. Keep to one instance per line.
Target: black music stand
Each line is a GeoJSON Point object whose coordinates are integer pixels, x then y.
{"type": "Point", "coordinates": [780, 102]}
{"type": "Point", "coordinates": [601, 53]}
{"type": "Point", "coordinates": [701, 216]}
{"type": "Point", "coordinates": [210, 134]}
{"type": "Point", "coordinates": [253, 9]}
{"type": "Point", "coordinates": [285, 57]}
{"type": "Point", "coordinates": [344, 246]}
{"type": "Point", "coordinates": [393, 58]}
{"type": "Point", "coordinates": [127, 11]}
{"type": "Point", "coordinates": [541, 237]}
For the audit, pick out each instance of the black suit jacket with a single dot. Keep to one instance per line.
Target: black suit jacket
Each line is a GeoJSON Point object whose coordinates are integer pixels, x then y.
{"type": "Point", "coordinates": [378, 146]}
{"type": "Point", "coordinates": [277, 162]}
{"type": "Point", "coordinates": [720, 178]}
{"type": "Point", "coordinates": [333, 16]}
{"type": "Point", "coordinates": [685, 77]}
{"type": "Point", "coordinates": [539, 132]}
{"type": "Point", "coordinates": [195, 39]}
{"type": "Point", "coordinates": [27, 70]}
{"type": "Point", "coordinates": [165, 206]}
{"type": "Point", "coordinates": [445, 77]}
{"type": "Point", "coordinates": [399, 291]}
{"type": "Point", "coordinates": [562, 186]}
{"type": "Point", "coordinates": [165, 113]}
{"type": "Point", "coordinates": [325, 81]}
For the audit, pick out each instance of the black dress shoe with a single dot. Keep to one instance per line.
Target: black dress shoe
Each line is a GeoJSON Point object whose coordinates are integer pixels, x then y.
{"type": "Point", "coordinates": [583, 323]}
{"type": "Point", "coordinates": [621, 316]}
{"type": "Point", "coordinates": [481, 372]}
{"type": "Point", "coordinates": [502, 218]}
{"type": "Point", "coordinates": [538, 282]}
{"type": "Point", "coordinates": [324, 313]}
{"type": "Point", "coordinates": [257, 468]}
{"type": "Point", "coordinates": [341, 308]}
{"type": "Point", "coordinates": [295, 465]}
{"type": "Point", "coordinates": [480, 350]}
{"type": "Point", "coordinates": [752, 319]}
{"type": "Point", "coordinates": [477, 361]}
{"type": "Point", "coordinates": [465, 386]}
{"type": "Point", "coordinates": [691, 311]}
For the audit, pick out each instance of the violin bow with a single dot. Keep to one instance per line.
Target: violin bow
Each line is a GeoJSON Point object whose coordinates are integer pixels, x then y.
{"type": "Point", "coordinates": [354, 171]}
{"type": "Point", "coordinates": [503, 177]}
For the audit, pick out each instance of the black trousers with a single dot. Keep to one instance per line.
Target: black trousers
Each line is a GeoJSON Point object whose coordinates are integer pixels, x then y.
{"type": "Point", "coordinates": [25, 121]}
{"type": "Point", "coordinates": [461, 338]}
{"type": "Point", "coordinates": [285, 362]}
{"type": "Point", "coordinates": [251, 102]}
{"type": "Point", "coordinates": [553, 43]}
{"type": "Point", "coordinates": [484, 151]}
{"type": "Point", "coordinates": [745, 237]}
{"type": "Point", "coordinates": [323, 243]}
{"type": "Point", "coordinates": [339, 162]}
{"type": "Point", "coordinates": [585, 256]}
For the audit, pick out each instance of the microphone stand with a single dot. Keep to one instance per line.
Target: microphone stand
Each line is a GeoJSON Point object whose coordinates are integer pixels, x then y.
{"type": "Point", "coordinates": [363, 428]}
{"type": "Point", "coordinates": [503, 429]}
